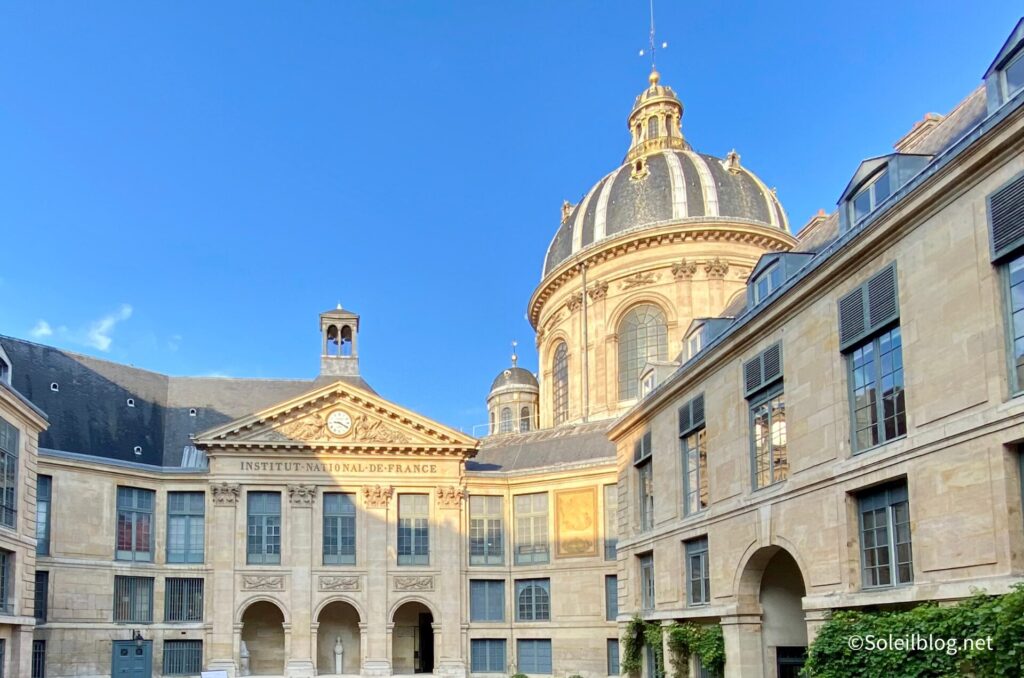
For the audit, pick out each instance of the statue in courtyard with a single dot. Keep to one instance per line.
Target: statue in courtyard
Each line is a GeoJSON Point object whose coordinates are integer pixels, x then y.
{"type": "Point", "coordinates": [339, 655]}
{"type": "Point", "coordinates": [243, 655]}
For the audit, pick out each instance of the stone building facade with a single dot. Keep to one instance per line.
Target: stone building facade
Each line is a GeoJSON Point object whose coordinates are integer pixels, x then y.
{"type": "Point", "coordinates": [728, 425]}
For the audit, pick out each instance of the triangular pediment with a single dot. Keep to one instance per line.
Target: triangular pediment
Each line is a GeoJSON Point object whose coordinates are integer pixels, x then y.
{"type": "Point", "coordinates": [341, 418]}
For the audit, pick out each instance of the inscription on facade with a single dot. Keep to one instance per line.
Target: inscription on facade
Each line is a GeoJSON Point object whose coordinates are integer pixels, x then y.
{"type": "Point", "coordinates": [416, 468]}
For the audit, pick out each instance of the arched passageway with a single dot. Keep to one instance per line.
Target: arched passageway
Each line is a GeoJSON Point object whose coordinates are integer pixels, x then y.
{"type": "Point", "coordinates": [783, 626]}
{"type": "Point", "coordinates": [338, 639]}
{"type": "Point", "coordinates": [412, 649]}
{"type": "Point", "coordinates": [263, 636]}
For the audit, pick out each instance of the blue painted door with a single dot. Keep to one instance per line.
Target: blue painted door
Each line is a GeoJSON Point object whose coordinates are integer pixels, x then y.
{"type": "Point", "coordinates": [132, 660]}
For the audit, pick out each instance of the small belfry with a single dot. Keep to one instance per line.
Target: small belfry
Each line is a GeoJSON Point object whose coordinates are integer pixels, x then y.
{"type": "Point", "coordinates": [655, 123]}
{"type": "Point", "coordinates": [513, 401]}
{"type": "Point", "coordinates": [339, 334]}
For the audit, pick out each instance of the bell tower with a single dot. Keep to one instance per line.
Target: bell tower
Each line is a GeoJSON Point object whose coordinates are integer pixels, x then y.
{"type": "Point", "coordinates": [339, 334]}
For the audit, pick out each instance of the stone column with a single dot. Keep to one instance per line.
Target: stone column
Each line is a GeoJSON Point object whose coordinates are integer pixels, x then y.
{"type": "Point", "coordinates": [220, 595]}
{"type": "Point", "coordinates": [21, 650]}
{"type": "Point", "coordinates": [448, 659]}
{"type": "Point", "coordinates": [301, 663]}
{"type": "Point", "coordinates": [314, 632]}
{"type": "Point", "coordinates": [376, 636]}
{"type": "Point", "coordinates": [744, 655]}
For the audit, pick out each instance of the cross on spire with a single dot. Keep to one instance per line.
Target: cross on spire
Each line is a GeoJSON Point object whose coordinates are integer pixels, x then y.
{"type": "Point", "coordinates": [515, 358]}
{"type": "Point", "coordinates": [652, 41]}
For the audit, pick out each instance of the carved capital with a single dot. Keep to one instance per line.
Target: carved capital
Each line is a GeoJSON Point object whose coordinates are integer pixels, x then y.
{"type": "Point", "coordinates": [716, 268]}
{"type": "Point", "coordinates": [574, 302]}
{"type": "Point", "coordinates": [684, 270]}
{"type": "Point", "coordinates": [302, 495]}
{"type": "Point", "coordinates": [340, 583]}
{"type": "Point", "coordinates": [377, 496]}
{"type": "Point", "coordinates": [450, 497]}
{"type": "Point", "coordinates": [598, 290]}
{"type": "Point", "coordinates": [224, 494]}
{"type": "Point", "coordinates": [414, 583]}
{"type": "Point", "coordinates": [262, 583]}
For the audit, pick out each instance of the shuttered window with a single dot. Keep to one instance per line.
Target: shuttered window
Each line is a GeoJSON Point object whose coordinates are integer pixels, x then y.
{"type": "Point", "coordinates": [693, 443]}
{"type": "Point", "coordinates": [487, 600]}
{"type": "Point", "coordinates": [869, 308]}
{"type": "Point", "coordinates": [762, 370]}
{"type": "Point", "coordinates": [534, 656]}
{"type": "Point", "coordinates": [487, 655]}
{"type": "Point", "coordinates": [1006, 219]}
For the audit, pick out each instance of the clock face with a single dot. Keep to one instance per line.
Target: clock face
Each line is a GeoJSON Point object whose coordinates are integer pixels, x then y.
{"type": "Point", "coordinates": [338, 422]}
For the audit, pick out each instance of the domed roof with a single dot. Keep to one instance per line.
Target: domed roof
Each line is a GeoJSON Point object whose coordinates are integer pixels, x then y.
{"type": "Point", "coordinates": [676, 185]}
{"type": "Point", "coordinates": [514, 376]}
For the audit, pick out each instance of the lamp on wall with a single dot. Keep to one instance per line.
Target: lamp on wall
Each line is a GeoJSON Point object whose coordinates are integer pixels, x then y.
{"type": "Point", "coordinates": [137, 637]}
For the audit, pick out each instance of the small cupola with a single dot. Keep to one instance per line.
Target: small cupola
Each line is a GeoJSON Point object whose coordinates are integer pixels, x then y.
{"type": "Point", "coordinates": [339, 335]}
{"type": "Point", "coordinates": [655, 123]}
{"type": "Point", "coordinates": [513, 401]}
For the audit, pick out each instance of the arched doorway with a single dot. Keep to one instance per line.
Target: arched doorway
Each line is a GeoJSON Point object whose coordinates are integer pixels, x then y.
{"type": "Point", "coordinates": [263, 635]}
{"type": "Point", "coordinates": [412, 643]}
{"type": "Point", "coordinates": [774, 575]}
{"type": "Point", "coordinates": [338, 622]}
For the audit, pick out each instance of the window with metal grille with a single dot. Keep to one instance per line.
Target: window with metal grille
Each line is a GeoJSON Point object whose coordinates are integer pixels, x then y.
{"type": "Point", "coordinates": [185, 526]}
{"type": "Point", "coordinates": [560, 383]}
{"type": "Point", "coordinates": [613, 657]}
{"type": "Point", "coordinates": [505, 420]}
{"type": "Point", "coordinates": [531, 528]}
{"type": "Point", "coordinates": [41, 595]}
{"type": "Point", "coordinates": [611, 597]}
{"type": "Point", "coordinates": [487, 655]}
{"type": "Point", "coordinates": [647, 582]}
{"type": "Point", "coordinates": [533, 600]}
{"type": "Point", "coordinates": [135, 523]}
{"type": "Point", "coordinates": [693, 441]}
{"type": "Point", "coordinates": [8, 473]}
{"type": "Point", "coordinates": [533, 656]}
{"type": "Point", "coordinates": [413, 529]}
{"type": "Point", "coordinates": [6, 581]}
{"type": "Point", "coordinates": [133, 599]}
{"type": "Point", "coordinates": [643, 336]}
{"type": "Point", "coordinates": [44, 487]}
{"type": "Point", "coordinates": [487, 600]}
{"type": "Point", "coordinates": [885, 549]}
{"type": "Point", "coordinates": [183, 599]}
{"type": "Point", "coordinates": [339, 528]}
{"type": "Point", "coordinates": [698, 574]}
{"type": "Point", "coordinates": [263, 545]}
{"type": "Point", "coordinates": [182, 657]}
{"type": "Point", "coordinates": [611, 521]}
{"type": "Point", "coordinates": [38, 659]}
{"type": "Point", "coordinates": [769, 444]}
{"type": "Point", "coordinates": [486, 534]}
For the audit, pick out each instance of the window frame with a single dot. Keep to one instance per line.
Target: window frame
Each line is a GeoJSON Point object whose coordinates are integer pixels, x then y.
{"type": "Point", "coordinates": [648, 592]}
{"type": "Point", "coordinates": [869, 187]}
{"type": "Point", "coordinates": [1016, 385]}
{"type": "Point", "coordinates": [614, 669]}
{"type": "Point", "coordinates": [537, 520]}
{"type": "Point", "coordinates": [611, 597]}
{"type": "Point", "coordinates": [334, 523]}
{"type": "Point", "coordinates": [188, 515]}
{"type": "Point", "coordinates": [176, 599]}
{"type": "Point", "coordinates": [765, 397]}
{"type": "Point", "coordinates": [610, 491]}
{"type": "Point", "coordinates": [41, 596]}
{"type": "Point", "coordinates": [132, 513]}
{"type": "Point", "coordinates": [44, 516]}
{"type": "Point", "coordinates": [536, 607]}
{"type": "Point", "coordinates": [697, 548]}
{"type": "Point", "coordinates": [262, 522]}
{"type": "Point", "coordinates": [134, 585]}
{"type": "Point", "coordinates": [487, 645]}
{"type": "Point", "coordinates": [505, 420]}
{"type": "Point", "coordinates": [878, 426]}
{"type": "Point", "coordinates": [10, 455]}
{"type": "Point", "coordinates": [184, 644]}
{"type": "Point", "coordinates": [489, 615]}
{"type": "Point", "coordinates": [772, 276]}
{"type": "Point", "coordinates": [560, 383]}
{"type": "Point", "coordinates": [700, 472]}
{"type": "Point", "coordinates": [629, 366]}
{"type": "Point", "coordinates": [38, 658]}
{"type": "Point", "coordinates": [899, 488]}
{"type": "Point", "coordinates": [534, 668]}
{"type": "Point", "coordinates": [482, 523]}
{"type": "Point", "coordinates": [1013, 60]}
{"type": "Point", "coordinates": [412, 547]}
{"type": "Point", "coordinates": [7, 565]}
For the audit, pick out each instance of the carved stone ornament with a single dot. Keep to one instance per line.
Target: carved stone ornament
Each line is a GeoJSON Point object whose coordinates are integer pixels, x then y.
{"type": "Point", "coordinates": [639, 279]}
{"type": "Point", "coordinates": [414, 583]}
{"type": "Point", "coordinates": [377, 496]}
{"type": "Point", "coordinates": [598, 290]}
{"type": "Point", "coordinates": [449, 497]}
{"type": "Point", "coordinates": [540, 336]}
{"type": "Point", "coordinates": [716, 268]}
{"type": "Point", "coordinates": [574, 302]}
{"type": "Point", "coordinates": [366, 430]}
{"type": "Point", "coordinates": [313, 428]}
{"type": "Point", "coordinates": [684, 270]}
{"type": "Point", "coordinates": [302, 495]}
{"type": "Point", "coordinates": [224, 494]}
{"type": "Point", "coordinates": [342, 583]}
{"type": "Point", "coordinates": [261, 583]}
{"type": "Point", "coordinates": [567, 208]}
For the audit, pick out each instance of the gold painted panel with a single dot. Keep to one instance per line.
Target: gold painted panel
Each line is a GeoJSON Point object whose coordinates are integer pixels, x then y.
{"type": "Point", "coordinates": [576, 523]}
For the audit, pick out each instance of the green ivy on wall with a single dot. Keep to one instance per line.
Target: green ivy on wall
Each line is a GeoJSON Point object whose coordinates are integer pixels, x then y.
{"type": "Point", "coordinates": [684, 640]}
{"type": "Point", "coordinates": [841, 648]}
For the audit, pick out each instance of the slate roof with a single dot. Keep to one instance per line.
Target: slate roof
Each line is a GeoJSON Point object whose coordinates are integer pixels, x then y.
{"type": "Point", "coordinates": [563, 446]}
{"type": "Point", "coordinates": [514, 376]}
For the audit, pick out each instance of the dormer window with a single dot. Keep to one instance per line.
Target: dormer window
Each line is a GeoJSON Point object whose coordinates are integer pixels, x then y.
{"type": "Point", "coordinates": [1004, 79]}
{"type": "Point", "coordinates": [695, 343]}
{"type": "Point", "coordinates": [767, 282]}
{"type": "Point", "coordinates": [870, 196]}
{"type": "Point", "coordinates": [5, 371]}
{"type": "Point", "coordinates": [1012, 76]}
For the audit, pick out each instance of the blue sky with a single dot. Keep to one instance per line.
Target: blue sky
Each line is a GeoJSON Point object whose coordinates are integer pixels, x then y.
{"type": "Point", "coordinates": [184, 186]}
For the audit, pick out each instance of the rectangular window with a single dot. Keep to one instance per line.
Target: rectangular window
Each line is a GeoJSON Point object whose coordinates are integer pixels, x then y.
{"type": "Point", "coordinates": [613, 657]}
{"type": "Point", "coordinates": [6, 581]}
{"type": "Point", "coordinates": [38, 659]}
{"type": "Point", "coordinates": [1014, 275]}
{"type": "Point", "coordinates": [642, 454]}
{"type": "Point", "coordinates": [693, 441]}
{"type": "Point", "coordinates": [183, 657]}
{"type": "Point", "coordinates": [768, 435]}
{"type": "Point", "coordinates": [183, 599]}
{"type": "Point", "coordinates": [3, 656]}
{"type": "Point", "coordinates": [486, 538]}
{"type": "Point", "coordinates": [263, 546]}
{"type": "Point", "coordinates": [767, 282]}
{"type": "Point", "coordinates": [611, 521]}
{"type": "Point", "coordinates": [1013, 77]}
{"type": "Point", "coordinates": [41, 594]}
{"type": "Point", "coordinates": [44, 487]}
{"type": "Point", "coordinates": [8, 474]}
{"type": "Point", "coordinates": [871, 196]}
{"type": "Point", "coordinates": [531, 528]}
{"type": "Point", "coordinates": [135, 523]}
{"type": "Point", "coordinates": [339, 528]}
{"type": "Point", "coordinates": [486, 600]}
{"type": "Point", "coordinates": [533, 656]}
{"type": "Point", "coordinates": [133, 599]}
{"type": "Point", "coordinates": [185, 522]}
{"type": "Point", "coordinates": [533, 600]}
{"type": "Point", "coordinates": [698, 575]}
{"type": "Point", "coordinates": [487, 655]}
{"type": "Point", "coordinates": [886, 557]}
{"type": "Point", "coordinates": [413, 529]}
{"type": "Point", "coordinates": [647, 582]}
{"type": "Point", "coordinates": [611, 597]}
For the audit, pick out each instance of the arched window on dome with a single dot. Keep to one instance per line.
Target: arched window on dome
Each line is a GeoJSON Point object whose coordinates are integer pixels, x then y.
{"type": "Point", "coordinates": [652, 127]}
{"type": "Point", "coordinates": [560, 383]}
{"type": "Point", "coordinates": [524, 420]}
{"type": "Point", "coordinates": [643, 336]}
{"type": "Point", "coordinates": [505, 421]}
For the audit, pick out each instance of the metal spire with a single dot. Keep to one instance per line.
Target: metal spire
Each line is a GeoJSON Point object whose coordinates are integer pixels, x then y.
{"type": "Point", "coordinates": [653, 43]}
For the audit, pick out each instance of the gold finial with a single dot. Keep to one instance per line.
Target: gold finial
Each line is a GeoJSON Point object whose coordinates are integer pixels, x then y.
{"type": "Point", "coordinates": [515, 358]}
{"type": "Point", "coordinates": [654, 77]}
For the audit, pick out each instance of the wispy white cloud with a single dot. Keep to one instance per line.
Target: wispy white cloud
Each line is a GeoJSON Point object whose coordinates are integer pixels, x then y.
{"type": "Point", "coordinates": [174, 342]}
{"type": "Point", "coordinates": [41, 329]}
{"type": "Point", "coordinates": [99, 333]}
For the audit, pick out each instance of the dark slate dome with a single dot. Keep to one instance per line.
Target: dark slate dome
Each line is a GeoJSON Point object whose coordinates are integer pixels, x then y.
{"type": "Point", "coordinates": [514, 376]}
{"type": "Point", "coordinates": [671, 185]}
